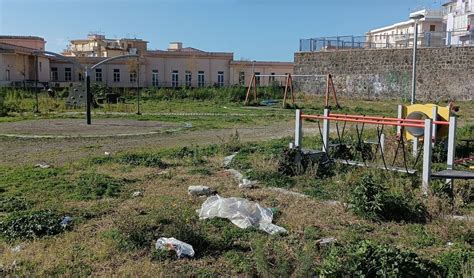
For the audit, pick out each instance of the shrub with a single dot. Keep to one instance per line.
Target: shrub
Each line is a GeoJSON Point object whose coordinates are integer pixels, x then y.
{"type": "Point", "coordinates": [91, 186]}
{"type": "Point", "coordinates": [457, 263]}
{"type": "Point", "coordinates": [141, 159]}
{"type": "Point", "coordinates": [366, 259]}
{"type": "Point", "coordinates": [372, 201]}
{"type": "Point", "coordinates": [13, 204]}
{"type": "Point", "coordinates": [28, 225]}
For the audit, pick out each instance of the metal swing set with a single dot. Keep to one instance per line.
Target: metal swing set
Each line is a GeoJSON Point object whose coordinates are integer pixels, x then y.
{"type": "Point", "coordinates": [428, 127]}
{"type": "Point", "coordinates": [289, 90]}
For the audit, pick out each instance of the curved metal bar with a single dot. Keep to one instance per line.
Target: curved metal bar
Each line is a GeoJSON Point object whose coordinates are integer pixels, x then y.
{"type": "Point", "coordinates": [60, 56]}
{"type": "Point", "coordinates": [111, 59]}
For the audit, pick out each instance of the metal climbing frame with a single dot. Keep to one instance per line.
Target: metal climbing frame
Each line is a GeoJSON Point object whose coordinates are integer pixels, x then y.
{"type": "Point", "coordinates": [252, 87]}
{"type": "Point", "coordinates": [428, 125]}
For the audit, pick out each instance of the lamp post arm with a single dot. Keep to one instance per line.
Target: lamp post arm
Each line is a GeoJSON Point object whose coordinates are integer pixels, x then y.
{"type": "Point", "coordinates": [111, 59]}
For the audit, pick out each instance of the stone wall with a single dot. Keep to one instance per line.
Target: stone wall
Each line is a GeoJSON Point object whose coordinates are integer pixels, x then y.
{"type": "Point", "coordinates": [442, 73]}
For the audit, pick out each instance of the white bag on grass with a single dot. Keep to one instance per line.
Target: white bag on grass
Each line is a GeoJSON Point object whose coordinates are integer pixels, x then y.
{"type": "Point", "coordinates": [243, 213]}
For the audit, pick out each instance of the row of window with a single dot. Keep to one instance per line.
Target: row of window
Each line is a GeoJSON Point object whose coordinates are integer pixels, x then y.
{"type": "Point", "coordinates": [133, 77]}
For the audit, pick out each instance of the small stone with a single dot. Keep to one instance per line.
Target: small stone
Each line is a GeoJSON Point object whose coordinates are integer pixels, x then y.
{"type": "Point", "coordinates": [199, 190]}
{"type": "Point", "coordinates": [137, 194]}
{"type": "Point", "coordinates": [326, 241]}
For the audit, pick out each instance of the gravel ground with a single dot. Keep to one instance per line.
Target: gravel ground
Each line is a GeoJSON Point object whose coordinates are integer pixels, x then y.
{"type": "Point", "coordinates": [64, 150]}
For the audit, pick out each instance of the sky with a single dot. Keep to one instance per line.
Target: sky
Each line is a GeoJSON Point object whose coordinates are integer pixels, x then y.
{"type": "Point", "coordinates": [267, 30]}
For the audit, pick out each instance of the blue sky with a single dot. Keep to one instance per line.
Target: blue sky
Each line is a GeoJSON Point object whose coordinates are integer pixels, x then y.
{"type": "Point", "coordinates": [252, 29]}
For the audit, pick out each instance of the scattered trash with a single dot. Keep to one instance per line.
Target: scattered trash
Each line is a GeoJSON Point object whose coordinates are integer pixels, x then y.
{"type": "Point", "coordinates": [107, 153]}
{"type": "Point", "coordinates": [449, 244]}
{"type": "Point", "coordinates": [228, 159]}
{"type": "Point", "coordinates": [199, 190]}
{"type": "Point", "coordinates": [67, 220]}
{"type": "Point", "coordinates": [182, 249]}
{"type": "Point", "coordinates": [288, 192]}
{"type": "Point", "coordinates": [268, 102]}
{"type": "Point", "coordinates": [326, 241]}
{"type": "Point", "coordinates": [243, 213]}
{"type": "Point", "coordinates": [188, 125]}
{"type": "Point", "coordinates": [43, 165]}
{"type": "Point", "coordinates": [16, 249]}
{"type": "Point", "coordinates": [238, 176]}
{"type": "Point", "coordinates": [243, 182]}
{"type": "Point", "coordinates": [137, 194]}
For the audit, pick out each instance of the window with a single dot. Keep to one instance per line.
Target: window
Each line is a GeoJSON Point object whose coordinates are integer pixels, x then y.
{"type": "Point", "coordinates": [220, 78]}
{"type": "Point", "coordinates": [7, 75]}
{"type": "Point", "coordinates": [271, 79]}
{"type": "Point", "coordinates": [432, 28]}
{"type": "Point", "coordinates": [175, 79]}
{"type": "Point", "coordinates": [98, 75]}
{"type": "Point", "coordinates": [116, 75]}
{"type": "Point", "coordinates": [133, 77]}
{"type": "Point", "coordinates": [81, 77]}
{"type": "Point", "coordinates": [242, 78]}
{"type": "Point", "coordinates": [67, 74]}
{"type": "Point", "coordinates": [257, 78]}
{"type": "Point", "coordinates": [188, 78]}
{"type": "Point", "coordinates": [201, 79]}
{"type": "Point", "coordinates": [54, 74]}
{"type": "Point", "coordinates": [154, 78]}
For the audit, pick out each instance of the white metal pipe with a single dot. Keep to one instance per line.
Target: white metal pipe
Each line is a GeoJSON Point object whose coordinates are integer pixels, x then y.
{"type": "Point", "coordinates": [399, 116]}
{"type": "Point", "coordinates": [435, 118]}
{"type": "Point", "coordinates": [427, 152]}
{"type": "Point", "coordinates": [298, 129]}
{"type": "Point", "coordinates": [451, 145]}
{"type": "Point", "coordinates": [326, 131]}
{"type": "Point", "coordinates": [415, 146]}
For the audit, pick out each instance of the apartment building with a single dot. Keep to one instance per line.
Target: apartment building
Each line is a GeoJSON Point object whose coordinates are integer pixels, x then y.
{"type": "Point", "coordinates": [176, 66]}
{"type": "Point", "coordinates": [431, 32]}
{"type": "Point", "coordinates": [459, 21]}
{"type": "Point", "coordinates": [20, 64]}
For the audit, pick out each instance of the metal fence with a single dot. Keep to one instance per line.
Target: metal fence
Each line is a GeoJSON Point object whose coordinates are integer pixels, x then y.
{"type": "Point", "coordinates": [425, 39]}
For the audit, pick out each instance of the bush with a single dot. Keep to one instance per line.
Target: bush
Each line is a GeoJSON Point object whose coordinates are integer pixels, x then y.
{"type": "Point", "coordinates": [91, 186]}
{"type": "Point", "coordinates": [457, 263]}
{"type": "Point", "coordinates": [29, 225]}
{"type": "Point", "coordinates": [366, 259]}
{"type": "Point", "coordinates": [13, 204]}
{"type": "Point", "coordinates": [372, 201]}
{"type": "Point", "coordinates": [141, 159]}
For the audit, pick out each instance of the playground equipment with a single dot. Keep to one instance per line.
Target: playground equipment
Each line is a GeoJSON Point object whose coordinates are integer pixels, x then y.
{"type": "Point", "coordinates": [424, 128]}
{"type": "Point", "coordinates": [289, 87]}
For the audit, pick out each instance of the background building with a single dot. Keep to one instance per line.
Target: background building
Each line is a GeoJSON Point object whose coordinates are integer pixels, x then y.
{"type": "Point", "coordinates": [176, 66]}
{"type": "Point", "coordinates": [459, 21]}
{"type": "Point", "coordinates": [20, 66]}
{"type": "Point", "coordinates": [431, 32]}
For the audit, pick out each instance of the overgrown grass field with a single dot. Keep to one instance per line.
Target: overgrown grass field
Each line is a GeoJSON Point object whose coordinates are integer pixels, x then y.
{"type": "Point", "coordinates": [379, 222]}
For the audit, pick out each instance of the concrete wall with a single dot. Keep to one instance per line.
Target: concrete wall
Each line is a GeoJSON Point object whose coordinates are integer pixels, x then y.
{"type": "Point", "coordinates": [442, 73]}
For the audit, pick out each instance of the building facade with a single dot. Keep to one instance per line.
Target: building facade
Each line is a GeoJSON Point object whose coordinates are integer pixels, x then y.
{"type": "Point", "coordinates": [459, 21]}
{"type": "Point", "coordinates": [176, 66]}
{"type": "Point", "coordinates": [431, 32]}
{"type": "Point", "coordinates": [20, 64]}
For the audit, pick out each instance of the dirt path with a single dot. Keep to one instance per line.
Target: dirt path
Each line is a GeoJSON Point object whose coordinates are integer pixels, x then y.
{"type": "Point", "coordinates": [59, 151]}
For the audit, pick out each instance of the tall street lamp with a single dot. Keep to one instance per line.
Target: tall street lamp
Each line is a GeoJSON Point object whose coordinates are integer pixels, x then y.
{"type": "Point", "coordinates": [88, 81]}
{"type": "Point", "coordinates": [416, 17]}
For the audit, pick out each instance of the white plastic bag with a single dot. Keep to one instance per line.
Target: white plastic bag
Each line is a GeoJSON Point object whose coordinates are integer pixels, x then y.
{"type": "Point", "coordinates": [243, 213]}
{"type": "Point", "coordinates": [182, 249]}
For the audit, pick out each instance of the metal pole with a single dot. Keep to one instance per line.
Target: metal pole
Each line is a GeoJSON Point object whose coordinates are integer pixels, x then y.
{"type": "Point", "coordinates": [399, 116]}
{"type": "Point", "coordinates": [451, 146]}
{"type": "Point", "coordinates": [138, 87]}
{"type": "Point", "coordinates": [88, 96]}
{"type": "Point", "coordinates": [326, 131]}
{"type": "Point", "coordinates": [36, 84]}
{"type": "Point", "coordinates": [413, 76]}
{"type": "Point", "coordinates": [298, 129]}
{"type": "Point", "coordinates": [427, 152]}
